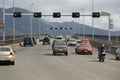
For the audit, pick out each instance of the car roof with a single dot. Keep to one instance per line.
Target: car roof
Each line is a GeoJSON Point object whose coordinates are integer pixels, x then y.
{"type": "Point", "coordinates": [84, 44]}
{"type": "Point", "coordinates": [59, 40]}
{"type": "Point", "coordinates": [5, 46]}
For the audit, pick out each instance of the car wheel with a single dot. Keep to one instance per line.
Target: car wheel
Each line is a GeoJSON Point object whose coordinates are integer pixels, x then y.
{"type": "Point", "coordinates": [76, 51]}
{"type": "Point", "coordinates": [66, 53]}
{"type": "Point", "coordinates": [117, 58]}
{"type": "Point", "coordinates": [54, 53]}
{"type": "Point", "coordinates": [91, 53]}
{"type": "Point", "coordinates": [12, 63]}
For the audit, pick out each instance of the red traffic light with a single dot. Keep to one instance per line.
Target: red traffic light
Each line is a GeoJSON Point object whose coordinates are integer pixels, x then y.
{"type": "Point", "coordinates": [95, 14]}
{"type": "Point", "coordinates": [56, 15]}
{"type": "Point", "coordinates": [37, 14]}
{"type": "Point", "coordinates": [75, 14]}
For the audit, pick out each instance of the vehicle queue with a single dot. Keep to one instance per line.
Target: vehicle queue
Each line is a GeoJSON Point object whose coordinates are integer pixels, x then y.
{"type": "Point", "coordinates": [59, 45]}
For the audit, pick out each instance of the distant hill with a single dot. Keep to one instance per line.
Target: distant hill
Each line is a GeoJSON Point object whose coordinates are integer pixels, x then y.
{"type": "Point", "coordinates": [23, 26]}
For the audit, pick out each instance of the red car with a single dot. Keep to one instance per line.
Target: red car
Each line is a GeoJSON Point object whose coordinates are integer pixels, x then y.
{"type": "Point", "coordinates": [83, 48]}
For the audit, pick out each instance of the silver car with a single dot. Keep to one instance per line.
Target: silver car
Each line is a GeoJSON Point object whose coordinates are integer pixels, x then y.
{"type": "Point", "coordinates": [72, 42]}
{"type": "Point", "coordinates": [117, 54]}
{"type": "Point", "coordinates": [60, 46]}
{"type": "Point", "coordinates": [7, 54]}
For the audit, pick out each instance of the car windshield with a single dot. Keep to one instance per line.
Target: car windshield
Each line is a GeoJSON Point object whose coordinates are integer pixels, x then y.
{"type": "Point", "coordinates": [60, 43]}
{"type": "Point", "coordinates": [4, 49]}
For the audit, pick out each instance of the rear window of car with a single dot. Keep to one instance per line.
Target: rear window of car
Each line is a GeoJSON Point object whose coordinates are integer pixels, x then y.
{"type": "Point", "coordinates": [60, 43]}
{"type": "Point", "coordinates": [27, 39]}
{"type": "Point", "coordinates": [85, 40]}
{"type": "Point", "coordinates": [46, 40]}
{"type": "Point", "coordinates": [85, 45]}
{"type": "Point", "coordinates": [4, 49]}
{"type": "Point", "coordinates": [58, 38]}
{"type": "Point", "coordinates": [72, 41]}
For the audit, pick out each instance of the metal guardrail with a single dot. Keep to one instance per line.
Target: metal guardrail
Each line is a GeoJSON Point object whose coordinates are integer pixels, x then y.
{"type": "Point", "coordinates": [9, 39]}
{"type": "Point", "coordinates": [96, 42]}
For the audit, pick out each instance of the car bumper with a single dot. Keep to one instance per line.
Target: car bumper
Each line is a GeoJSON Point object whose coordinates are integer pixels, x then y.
{"type": "Point", "coordinates": [45, 43]}
{"type": "Point", "coordinates": [7, 58]}
{"type": "Point", "coordinates": [60, 51]}
{"type": "Point", "coordinates": [85, 52]}
{"type": "Point", "coordinates": [118, 55]}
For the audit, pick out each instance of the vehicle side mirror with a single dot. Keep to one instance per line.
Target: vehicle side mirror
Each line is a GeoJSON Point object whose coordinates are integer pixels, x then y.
{"type": "Point", "coordinates": [14, 51]}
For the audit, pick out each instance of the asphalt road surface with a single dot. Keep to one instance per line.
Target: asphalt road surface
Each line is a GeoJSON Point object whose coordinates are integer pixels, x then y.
{"type": "Point", "coordinates": [38, 63]}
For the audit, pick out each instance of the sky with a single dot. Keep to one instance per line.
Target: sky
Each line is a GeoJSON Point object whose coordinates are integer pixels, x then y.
{"type": "Point", "coordinates": [69, 6]}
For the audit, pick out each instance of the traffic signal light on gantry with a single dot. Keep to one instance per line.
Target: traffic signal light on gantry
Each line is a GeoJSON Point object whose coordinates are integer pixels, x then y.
{"type": "Point", "coordinates": [38, 14]}
{"type": "Point", "coordinates": [96, 14]}
{"type": "Point", "coordinates": [56, 15]}
{"type": "Point", "coordinates": [17, 14]}
{"type": "Point", "coordinates": [75, 14]}
{"type": "Point", "coordinates": [60, 28]}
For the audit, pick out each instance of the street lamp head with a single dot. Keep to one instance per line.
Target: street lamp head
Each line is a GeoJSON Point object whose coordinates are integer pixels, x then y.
{"type": "Point", "coordinates": [103, 13]}
{"type": "Point", "coordinates": [32, 4]}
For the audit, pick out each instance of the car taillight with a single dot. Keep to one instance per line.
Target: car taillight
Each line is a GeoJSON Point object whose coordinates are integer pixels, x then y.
{"type": "Point", "coordinates": [11, 53]}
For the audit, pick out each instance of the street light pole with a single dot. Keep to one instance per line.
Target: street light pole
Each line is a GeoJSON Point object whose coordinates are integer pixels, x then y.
{"type": "Point", "coordinates": [92, 20]}
{"type": "Point", "coordinates": [4, 21]}
{"type": "Point", "coordinates": [83, 23]}
{"type": "Point", "coordinates": [31, 22]}
{"type": "Point", "coordinates": [39, 28]}
{"type": "Point", "coordinates": [110, 25]}
{"type": "Point", "coordinates": [109, 33]}
{"type": "Point", "coordinates": [13, 23]}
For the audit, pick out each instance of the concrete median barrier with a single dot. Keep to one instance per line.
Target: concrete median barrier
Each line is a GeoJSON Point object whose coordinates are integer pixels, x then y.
{"type": "Point", "coordinates": [109, 48]}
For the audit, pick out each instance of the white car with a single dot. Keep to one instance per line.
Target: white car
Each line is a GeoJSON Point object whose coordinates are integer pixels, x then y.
{"type": "Point", "coordinates": [59, 38]}
{"type": "Point", "coordinates": [72, 42]}
{"type": "Point", "coordinates": [7, 54]}
{"type": "Point", "coordinates": [41, 38]}
{"type": "Point", "coordinates": [117, 54]}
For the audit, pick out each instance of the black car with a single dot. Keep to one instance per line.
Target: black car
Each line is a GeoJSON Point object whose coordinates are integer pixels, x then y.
{"type": "Point", "coordinates": [28, 41]}
{"type": "Point", "coordinates": [46, 40]}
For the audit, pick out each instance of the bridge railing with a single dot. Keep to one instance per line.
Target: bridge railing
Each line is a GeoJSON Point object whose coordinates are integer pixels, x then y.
{"type": "Point", "coordinates": [99, 40]}
{"type": "Point", "coordinates": [9, 39]}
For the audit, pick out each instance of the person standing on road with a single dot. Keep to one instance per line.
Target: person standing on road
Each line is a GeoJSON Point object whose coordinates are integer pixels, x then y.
{"type": "Point", "coordinates": [101, 50]}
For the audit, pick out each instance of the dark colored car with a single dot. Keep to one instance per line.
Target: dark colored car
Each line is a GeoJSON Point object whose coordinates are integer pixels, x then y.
{"type": "Point", "coordinates": [83, 48]}
{"type": "Point", "coordinates": [28, 41]}
{"type": "Point", "coordinates": [46, 40]}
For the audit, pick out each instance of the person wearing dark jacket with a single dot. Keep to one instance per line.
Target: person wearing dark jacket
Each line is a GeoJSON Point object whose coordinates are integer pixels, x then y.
{"type": "Point", "coordinates": [101, 50]}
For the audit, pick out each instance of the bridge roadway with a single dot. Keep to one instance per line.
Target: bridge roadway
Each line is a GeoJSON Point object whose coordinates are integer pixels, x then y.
{"type": "Point", "coordinates": [38, 63]}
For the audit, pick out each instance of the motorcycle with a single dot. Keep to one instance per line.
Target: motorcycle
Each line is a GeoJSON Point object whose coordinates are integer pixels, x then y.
{"type": "Point", "coordinates": [101, 56]}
